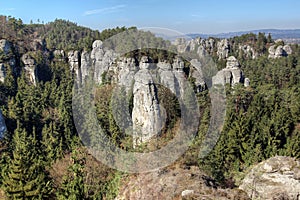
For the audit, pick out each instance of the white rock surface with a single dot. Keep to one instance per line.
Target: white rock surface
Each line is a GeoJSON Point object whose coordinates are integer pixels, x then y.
{"type": "Point", "coordinates": [277, 176]}
{"type": "Point", "coordinates": [30, 67]}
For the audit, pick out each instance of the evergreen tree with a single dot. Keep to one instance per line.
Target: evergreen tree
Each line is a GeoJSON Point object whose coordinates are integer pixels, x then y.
{"type": "Point", "coordinates": [73, 185]}
{"type": "Point", "coordinates": [24, 177]}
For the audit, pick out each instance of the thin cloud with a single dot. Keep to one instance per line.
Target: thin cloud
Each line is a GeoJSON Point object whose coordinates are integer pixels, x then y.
{"type": "Point", "coordinates": [8, 9]}
{"type": "Point", "coordinates": [104, 10]}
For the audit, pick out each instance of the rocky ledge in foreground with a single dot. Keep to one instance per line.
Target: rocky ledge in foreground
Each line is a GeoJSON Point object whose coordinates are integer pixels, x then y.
{"type": "Point", "coordinates": [174, 184]}
{"type": "Point", "coordinates": [275, 178]}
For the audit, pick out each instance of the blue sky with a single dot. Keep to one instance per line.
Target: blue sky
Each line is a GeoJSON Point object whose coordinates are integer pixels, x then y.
{"type": "Point", "coordinates": [186, 16]}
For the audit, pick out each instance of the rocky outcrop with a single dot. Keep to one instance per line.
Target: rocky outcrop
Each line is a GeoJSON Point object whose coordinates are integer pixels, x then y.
{"type": "Point", "coordinates": [223, 47]}
{"type": "Point", "coordinates": [102, 60]}
{"type": "Point", "coordinates": [146, 115]}
{"type": "Point", "coordinates": [59, 55]}
{"type": "Point", "coordinates": [127, 69]}
{"type": "Point", "coordinates": [2, 72]}
{"type": "Point", "coordinates": [287, 49]}
{"type": "Point", "coordinates": [30, 67]}
{"type": "Point", "coordinates": [197, 75]}
{"type": "Point", "coordinates": [181, 45]}
{"type": "Point", "coordinates": [8, 58]}
{"type": "Point", "coordinates": [275, 177]}
{"type": "Point", "coordinates": [232, 74]}
{"type": "Point", "coordinates": [248, 51]}
{"type": "Point", "coordinates": [174, 183]}
{"type": "Point", "coordinates": [85, 68]}
{"type": "Point", "coordinates": [74, 62]}
{"type": "Point", "coordinates": [247, 82]}
{"type": "Point", "coordinates": [5, 46]}
{"type": "Point", "coordinates": [279, 51]}
{"type": "Point", "coordinates": [2, 125]}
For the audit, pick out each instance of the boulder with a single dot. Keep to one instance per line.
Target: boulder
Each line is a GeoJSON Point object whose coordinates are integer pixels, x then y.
{"type": "Point", "coordinates": [288, 50]}
{"type": "Point", "coordinates": [247, 82]}
{"type": "Point", "coordinates": [232, 63]}
{"type": "Point", "coordinates": [232, 74]}
{"type": "Point", "coordinates": [279, 51]}
{"type": "Point", "coordinates": [277, 176]}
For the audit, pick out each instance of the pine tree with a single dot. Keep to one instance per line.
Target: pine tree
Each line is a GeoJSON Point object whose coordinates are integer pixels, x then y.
{"type": "Point", "coordinates": [73, 185]}
{"type": "Point", "coordinates": [24, 177]}
{"type": "Point", "coordinates": [52, 142]}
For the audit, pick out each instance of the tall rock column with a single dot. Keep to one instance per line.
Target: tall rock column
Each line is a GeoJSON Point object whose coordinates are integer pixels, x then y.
{"type": "Point", "coordinates": [146, 115]}
{"type": "Point", "coordinates": [74, 61]}
{"type": "Point", "coordinates": [30, 68]}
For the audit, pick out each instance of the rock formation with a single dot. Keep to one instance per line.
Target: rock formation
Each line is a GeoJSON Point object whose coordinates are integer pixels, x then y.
{"type": "Point", "coordinates": [2, 72]}
{"type": "Point", "coordinates": [2, 125]}
{"type": "Point", "coordinates": [5, 46]}
{"type": "Point", "coordinates": [175, 183]}
{"type": "Point", "coordinates": [74, 62]}
{"type": "Point", "coordinates": [146, 115]}
{"type": "Point", "coordinates": [248, 51]}
{"type": "Point", "coordinates": [276, 177]}
{"type": "Point", "coordinates": [232, 74]}
{"type": "Point", "coordinates": [86, 64]}
{"type": "Point", "coordinates": [279, 51]}
{"type": "Point", "coordinates": [223, 47]}
{"type": "Point", "coordinates": [30, 67]}
{"type": "Point", "coordinates": [59, 55]}
{"type": "Point", "coordinates": [9, 59]}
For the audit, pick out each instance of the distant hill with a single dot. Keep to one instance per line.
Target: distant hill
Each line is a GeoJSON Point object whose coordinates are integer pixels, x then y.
{"type": "Point", "coordinates": [289, 35]}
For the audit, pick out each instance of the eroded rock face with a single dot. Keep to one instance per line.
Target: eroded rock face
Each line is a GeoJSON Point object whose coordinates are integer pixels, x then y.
{"type": "Point", "coordinates": [59, 55]}
{"type": "Point", "coordinates": [232, 74]}
{"type": "Point", "coordinates": [146, 115]}
{"type": "Point", "coordinates": [2, 125]}
{"type": "Point", "coordinates": [248, 51]}
{"type": "Point", "coordinates": [2, 72]}
{"type": "Point", "coordinates": [197, 74]}
{"type": "Point", "coordinates": [5, 46]}
{"type": "Point", "coordinates": [288, 50]}
{"type": "Point", "coordinates": [175, 183]}
{"type": "Point", "coordinates": [127, 69]}
{"type": "Point", "coordinates": [30, 67]}
{"type": "Point", "coordinates": [223, 49]}
{"type": "Point", "coordinates": [86, 64]}
{"type": "Point", "coordinates": [102, 60]}
{"type": "Point", "coordinates": [279, 51]}
{"type": "Point", "coordinates": [277, 176]}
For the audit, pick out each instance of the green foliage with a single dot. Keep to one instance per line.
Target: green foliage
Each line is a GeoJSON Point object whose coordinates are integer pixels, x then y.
{"type": "Point", "coordinates": [25, 177]}
{"type": "Point", "coordinates": [261, 121]}
{"type": "Point", "coordinates": [107, 33]}
{"type": "Point", "coordinates": [62, 34]}
{"type": "Point", "coordinates": [73, 184]}
{"type": "Point", "coordinates": [110, 189]}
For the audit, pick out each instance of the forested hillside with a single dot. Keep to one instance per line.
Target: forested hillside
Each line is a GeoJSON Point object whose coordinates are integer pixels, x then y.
{"type": "Point", "coordinates": [42, 156]}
